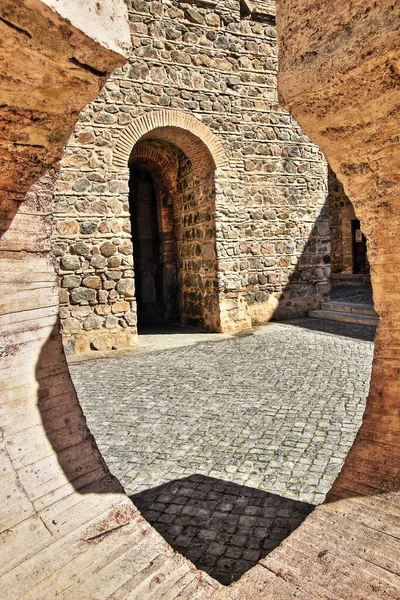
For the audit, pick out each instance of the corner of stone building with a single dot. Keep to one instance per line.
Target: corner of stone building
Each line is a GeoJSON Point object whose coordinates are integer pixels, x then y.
{"type": "Point", "coordinates": [267, 255]}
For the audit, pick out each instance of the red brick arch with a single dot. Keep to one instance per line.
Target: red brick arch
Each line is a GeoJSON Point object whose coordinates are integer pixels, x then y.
{"type": "Point", "coordinates": [159, 164]}
{"type": "Point", "coordinates": [194, 138]}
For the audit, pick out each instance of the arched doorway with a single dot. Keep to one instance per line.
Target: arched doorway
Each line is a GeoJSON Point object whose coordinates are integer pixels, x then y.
{"type": "Point", "coordinates": [351, 290]}
{"type": "Point", "coordinates": [348, 242]}
{"type": "Point", "coordinates": [207, 298]}
{"type": "Point", "coordinates": [172, 207]}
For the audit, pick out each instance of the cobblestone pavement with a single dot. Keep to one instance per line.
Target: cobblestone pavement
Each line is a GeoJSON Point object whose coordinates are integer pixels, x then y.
{"type": "Point", "coordinates": [212, 436]}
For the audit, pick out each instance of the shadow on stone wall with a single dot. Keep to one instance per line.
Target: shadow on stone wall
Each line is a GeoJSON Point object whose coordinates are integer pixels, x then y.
{"type": "Point", "coordinates": [308, 284]}
{"type": "Point", "coordinates": [222, 527]}
{"type": "Point", "coordinates": [9, 209]}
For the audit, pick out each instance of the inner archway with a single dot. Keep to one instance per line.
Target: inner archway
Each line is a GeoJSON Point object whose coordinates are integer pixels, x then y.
{"type": "Point", "coordinates": [351, 291]}
{"type": "Point", "coordinates": [172, 207]}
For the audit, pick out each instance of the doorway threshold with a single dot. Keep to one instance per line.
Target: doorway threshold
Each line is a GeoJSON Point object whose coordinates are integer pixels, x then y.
{"type": "Point", "coordinates": [175, 335]}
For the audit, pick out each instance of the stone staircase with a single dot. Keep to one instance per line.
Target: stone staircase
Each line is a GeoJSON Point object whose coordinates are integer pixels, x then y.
{"type": "Point", "coordinates": [346, 312]}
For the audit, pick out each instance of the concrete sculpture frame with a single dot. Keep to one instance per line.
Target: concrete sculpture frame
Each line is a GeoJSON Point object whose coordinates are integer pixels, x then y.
{"type": "Point", "coordinates": [68, 530]}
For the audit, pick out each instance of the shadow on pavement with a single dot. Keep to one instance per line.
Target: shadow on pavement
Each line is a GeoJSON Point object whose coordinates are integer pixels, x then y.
{"type": "Point", "coordinates": [170, 328]}
{"type": "Point", "coordinates": [358, 332]}
{"type": "Point", "coordinates": [222, 527]}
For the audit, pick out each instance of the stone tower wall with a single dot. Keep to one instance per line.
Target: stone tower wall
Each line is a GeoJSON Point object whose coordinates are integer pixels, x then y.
{"type": "Point", "coordinates": [215, 61]}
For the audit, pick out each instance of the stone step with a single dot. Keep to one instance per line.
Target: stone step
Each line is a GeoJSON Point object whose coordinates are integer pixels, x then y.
{"type": "Point", "coordinates": [349, 307]}
{"type": "Point", "coordinates": [344, 317]}
{"type": "Point", "coordinates": [349, 278]}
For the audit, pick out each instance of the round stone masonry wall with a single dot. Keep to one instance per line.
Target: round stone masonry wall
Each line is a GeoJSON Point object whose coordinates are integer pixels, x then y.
{"type": "Point", "coordinates": [214, 67]}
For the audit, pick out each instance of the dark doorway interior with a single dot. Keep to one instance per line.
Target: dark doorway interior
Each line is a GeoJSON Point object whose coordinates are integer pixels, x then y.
{"type": "Point", "coordinates": [148, 257]}
{"type": "Point", "coordinates": [360, 261]}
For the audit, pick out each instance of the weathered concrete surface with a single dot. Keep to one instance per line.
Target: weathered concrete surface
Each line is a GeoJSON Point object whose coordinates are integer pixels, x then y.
{"type": "Point", "coordinates": [104, 22]}
{"type": "Point", "coordinates": [53, 479]}
{"type": "Point", "coordinates": [41, 51]}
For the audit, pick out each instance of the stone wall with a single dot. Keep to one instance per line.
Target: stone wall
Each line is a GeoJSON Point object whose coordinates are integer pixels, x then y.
{"type": "Point", "coordinates": [215, 62]}
{"type": "Point", "coordinates": [194, 217]}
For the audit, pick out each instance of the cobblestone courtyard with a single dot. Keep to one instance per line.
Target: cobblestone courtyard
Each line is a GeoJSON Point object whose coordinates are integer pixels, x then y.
{"type": "Point", "coordinates": [226, 445]}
